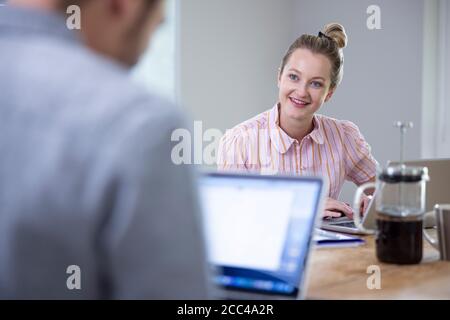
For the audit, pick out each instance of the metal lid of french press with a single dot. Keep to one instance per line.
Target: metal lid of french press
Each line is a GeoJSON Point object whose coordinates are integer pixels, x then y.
{"type": "Point", "coordinates": [402, 173]}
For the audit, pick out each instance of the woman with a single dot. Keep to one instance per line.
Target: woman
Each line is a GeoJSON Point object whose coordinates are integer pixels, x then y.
{"type": "Point", "coordinates": [291, 138]}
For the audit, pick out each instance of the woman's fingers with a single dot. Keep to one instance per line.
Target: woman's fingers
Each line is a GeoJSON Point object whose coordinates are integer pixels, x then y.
{"type": "Point", "coordinates": [348, 212]}
{"type": "Point", "coordinates": [332, 214]}
{"type": "Point", "coordinates": [337, 208]}
{"type": "Point", "coordinates": [344, 208]}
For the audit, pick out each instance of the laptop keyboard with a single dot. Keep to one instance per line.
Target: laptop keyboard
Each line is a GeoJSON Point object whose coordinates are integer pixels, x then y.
{"type": "Point", "coordinates": [345, 224]}
{"type": "Point", "coordinates": [338, 220]}
{"type": "Point", "coordinates": [341, 222]}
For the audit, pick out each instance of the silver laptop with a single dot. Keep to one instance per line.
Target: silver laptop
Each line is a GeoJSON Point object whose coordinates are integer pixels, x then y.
{"type": "Point", "coordinates": [259, 232]}
{"type": "Point", "coordinates": [346, 225]}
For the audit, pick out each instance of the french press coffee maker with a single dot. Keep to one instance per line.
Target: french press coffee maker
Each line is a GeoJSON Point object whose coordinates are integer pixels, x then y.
{"type": "Point", "coordinates": [400, 207]}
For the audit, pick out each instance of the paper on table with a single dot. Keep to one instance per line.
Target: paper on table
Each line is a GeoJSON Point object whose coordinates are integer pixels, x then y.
{"type": "Point", "coordinates": [332, 239]}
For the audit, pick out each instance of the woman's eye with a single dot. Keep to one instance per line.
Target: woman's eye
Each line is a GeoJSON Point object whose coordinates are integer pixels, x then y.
{"type": "Point", "coordinates": [316, 84]}
{"type": "Point", "coordinates": [293, 77]}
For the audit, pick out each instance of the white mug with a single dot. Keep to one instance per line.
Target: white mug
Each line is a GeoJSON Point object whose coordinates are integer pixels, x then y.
{"type": "Point", "coordinates": [442, 244]}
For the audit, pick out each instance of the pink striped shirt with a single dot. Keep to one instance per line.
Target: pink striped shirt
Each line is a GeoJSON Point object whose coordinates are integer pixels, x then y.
{"type": "Point", "coordinates": [334, 148]}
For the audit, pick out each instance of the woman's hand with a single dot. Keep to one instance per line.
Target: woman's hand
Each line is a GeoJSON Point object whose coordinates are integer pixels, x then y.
{"type": "Point", "coordinates": [364, 203]}
{"type": "Point", "coordinates": [335, 209]}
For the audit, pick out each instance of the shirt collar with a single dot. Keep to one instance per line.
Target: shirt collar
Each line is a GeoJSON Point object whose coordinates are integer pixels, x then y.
{"type": "Point", "coordinates": [281, 140]}
{"type": "Point", "coordinates": [317, 133]}
{"type": "Point", "coordinates": [19, 20]}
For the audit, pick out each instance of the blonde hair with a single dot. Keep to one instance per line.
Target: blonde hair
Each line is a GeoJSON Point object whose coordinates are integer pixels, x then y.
{"type": "Point", "coordinates": [330, 42]}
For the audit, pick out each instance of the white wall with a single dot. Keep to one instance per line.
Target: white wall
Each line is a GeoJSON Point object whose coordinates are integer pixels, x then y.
{"type": "Point", "coordinates": [443, 88]}
{"type": "Point", "coordinates": [156, 69]}
{"type": "Point", "coordinates": [231, 51]}
{"type": "Point", "coordinates": [430, 83]}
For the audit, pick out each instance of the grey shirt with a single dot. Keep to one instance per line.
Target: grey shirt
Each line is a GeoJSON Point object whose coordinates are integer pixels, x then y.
{"type": "Point", "coordinates": [86, 176]}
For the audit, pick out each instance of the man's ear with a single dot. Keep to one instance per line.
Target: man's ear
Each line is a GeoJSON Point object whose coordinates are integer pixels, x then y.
{"type": "Point", "coordinates": [121, 7]}
{"type": "Point", "coordinates": [329, 94]}
{"type": "Point", "coordinates": [115, 7]}
{"type": "Point", "coordinates": [124, 11]}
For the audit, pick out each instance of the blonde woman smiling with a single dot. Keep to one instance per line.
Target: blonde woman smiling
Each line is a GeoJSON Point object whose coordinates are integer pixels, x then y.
{"type": "Point", "coordinates": [291, 138]}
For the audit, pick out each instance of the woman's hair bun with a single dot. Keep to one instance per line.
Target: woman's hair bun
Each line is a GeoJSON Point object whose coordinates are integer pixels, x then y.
{"type": "Point", "coordinates": [336, 32]}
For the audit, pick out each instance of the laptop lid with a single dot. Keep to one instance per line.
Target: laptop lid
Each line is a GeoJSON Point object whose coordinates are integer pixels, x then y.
{"type": "Point", "coordinates": [259, 230]}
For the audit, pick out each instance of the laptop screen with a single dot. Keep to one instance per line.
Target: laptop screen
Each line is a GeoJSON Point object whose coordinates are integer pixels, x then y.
{"type": "Point", "coordinates": [258, 229]}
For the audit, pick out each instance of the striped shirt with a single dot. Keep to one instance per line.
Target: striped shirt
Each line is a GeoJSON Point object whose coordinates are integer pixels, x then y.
{"type": "Point", "coordinates": [335, 149]}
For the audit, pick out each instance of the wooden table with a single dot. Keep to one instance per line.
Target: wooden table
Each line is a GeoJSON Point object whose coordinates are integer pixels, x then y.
{"type": "Point", "coordinates": [341, 273]}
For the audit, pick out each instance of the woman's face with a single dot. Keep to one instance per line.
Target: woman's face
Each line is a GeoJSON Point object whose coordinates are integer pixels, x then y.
{"type": "Point", "coordinates": [304, 84]}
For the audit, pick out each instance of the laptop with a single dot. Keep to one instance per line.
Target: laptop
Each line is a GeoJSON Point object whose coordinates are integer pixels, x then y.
{"type": "Point", "coordinates": [437, 188]}
{"type": "Point", "coordinates": [259, 231]}
{"type": "Point", "coordinates": [347, 225]}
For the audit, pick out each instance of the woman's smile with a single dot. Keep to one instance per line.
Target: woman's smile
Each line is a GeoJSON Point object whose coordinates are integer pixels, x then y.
{"type": "Point", "coordinates": [299, 103]}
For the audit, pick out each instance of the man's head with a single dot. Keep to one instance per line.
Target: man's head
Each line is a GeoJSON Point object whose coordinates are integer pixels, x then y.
{"type": "Point", "coordinates": [119, 29]}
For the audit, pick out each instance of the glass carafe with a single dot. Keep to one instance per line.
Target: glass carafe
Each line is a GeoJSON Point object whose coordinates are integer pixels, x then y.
{"type": "Point", "coordinates": [400, 206]}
